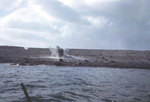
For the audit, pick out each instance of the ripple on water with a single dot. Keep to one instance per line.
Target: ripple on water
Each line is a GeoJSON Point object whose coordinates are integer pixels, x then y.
{"type": "Point", "coordinates": [73, 84]}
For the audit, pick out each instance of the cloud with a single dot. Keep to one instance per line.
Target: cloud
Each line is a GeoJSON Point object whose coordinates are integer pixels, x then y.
{"type": "Point", "coordinates": [100, 24]}
{"type": "Point", "coordinates": [58, 10]}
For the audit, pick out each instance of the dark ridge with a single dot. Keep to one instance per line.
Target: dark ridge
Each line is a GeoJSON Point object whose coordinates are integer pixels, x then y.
{"type": "Point", "coordinates": [92, 58]}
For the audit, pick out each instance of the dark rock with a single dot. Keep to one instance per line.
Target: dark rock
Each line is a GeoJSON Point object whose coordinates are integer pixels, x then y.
{"type": "Point", "coordinates": [58, 63]}
{"type": "Point", "coordinates": [61, 60]}
{"type": "Point", "coordinates": [98, 58]}
{"type": "Point", "coordinates": [112, 61]}
{"type": "Point", "coordinates": [86, 61]}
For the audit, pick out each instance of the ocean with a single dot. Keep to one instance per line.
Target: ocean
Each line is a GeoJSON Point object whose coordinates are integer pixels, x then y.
{"type": "Point", "coordinates": [73, 84]}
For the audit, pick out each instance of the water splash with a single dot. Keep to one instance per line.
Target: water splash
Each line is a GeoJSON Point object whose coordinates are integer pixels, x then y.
{"type": "Point", "coordinates": [60, 53]}
{"type": "Point", "coordinates": [57, 52]}
{"type": "Point", "coordinates": [67, 56]}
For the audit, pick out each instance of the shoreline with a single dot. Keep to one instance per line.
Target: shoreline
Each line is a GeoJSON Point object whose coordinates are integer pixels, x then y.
{"type": "Point", "coordinates": [91, 57]}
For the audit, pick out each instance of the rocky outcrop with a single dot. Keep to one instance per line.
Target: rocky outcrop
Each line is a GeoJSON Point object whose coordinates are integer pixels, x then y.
{"type": "Point", "coordinates": [92, 58]}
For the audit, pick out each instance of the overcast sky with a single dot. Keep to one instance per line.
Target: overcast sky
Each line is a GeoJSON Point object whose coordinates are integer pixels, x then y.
{"type": "Point", "coordinates": [98, 24]}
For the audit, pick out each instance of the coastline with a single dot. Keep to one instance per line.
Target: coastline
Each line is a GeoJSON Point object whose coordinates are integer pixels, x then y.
{"type": "Point", "coordinates": [91, 57]}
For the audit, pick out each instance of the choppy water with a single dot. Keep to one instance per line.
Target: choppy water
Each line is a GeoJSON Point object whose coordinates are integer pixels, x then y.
{"type": "Point", "coordinates": [74, 84]}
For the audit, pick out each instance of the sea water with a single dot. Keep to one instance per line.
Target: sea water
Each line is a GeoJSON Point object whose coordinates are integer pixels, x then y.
{"type": "Point", "coordinates": [73, 84]}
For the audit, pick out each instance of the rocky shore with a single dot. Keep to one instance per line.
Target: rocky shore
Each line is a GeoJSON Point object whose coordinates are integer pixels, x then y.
{"type": "Point", "coordinates": [82, 57]}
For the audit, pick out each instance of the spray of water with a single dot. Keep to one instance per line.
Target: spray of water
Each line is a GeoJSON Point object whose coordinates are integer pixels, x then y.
{"type": "Point", "coordinates": [57, 52]}
{"type": "Point", "coordinates": [60, 53]}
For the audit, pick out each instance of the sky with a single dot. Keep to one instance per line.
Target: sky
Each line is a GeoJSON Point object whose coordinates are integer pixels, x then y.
{"type": "Point", "coordinates": [90, 24]}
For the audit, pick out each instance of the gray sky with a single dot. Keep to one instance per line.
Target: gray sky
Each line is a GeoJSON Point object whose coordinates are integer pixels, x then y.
{"type": "Point", "coordinates": [98, 24]}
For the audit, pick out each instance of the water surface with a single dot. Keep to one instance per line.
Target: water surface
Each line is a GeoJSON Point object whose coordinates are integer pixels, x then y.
{"type": "Point", "coordinates": [74, 84]}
